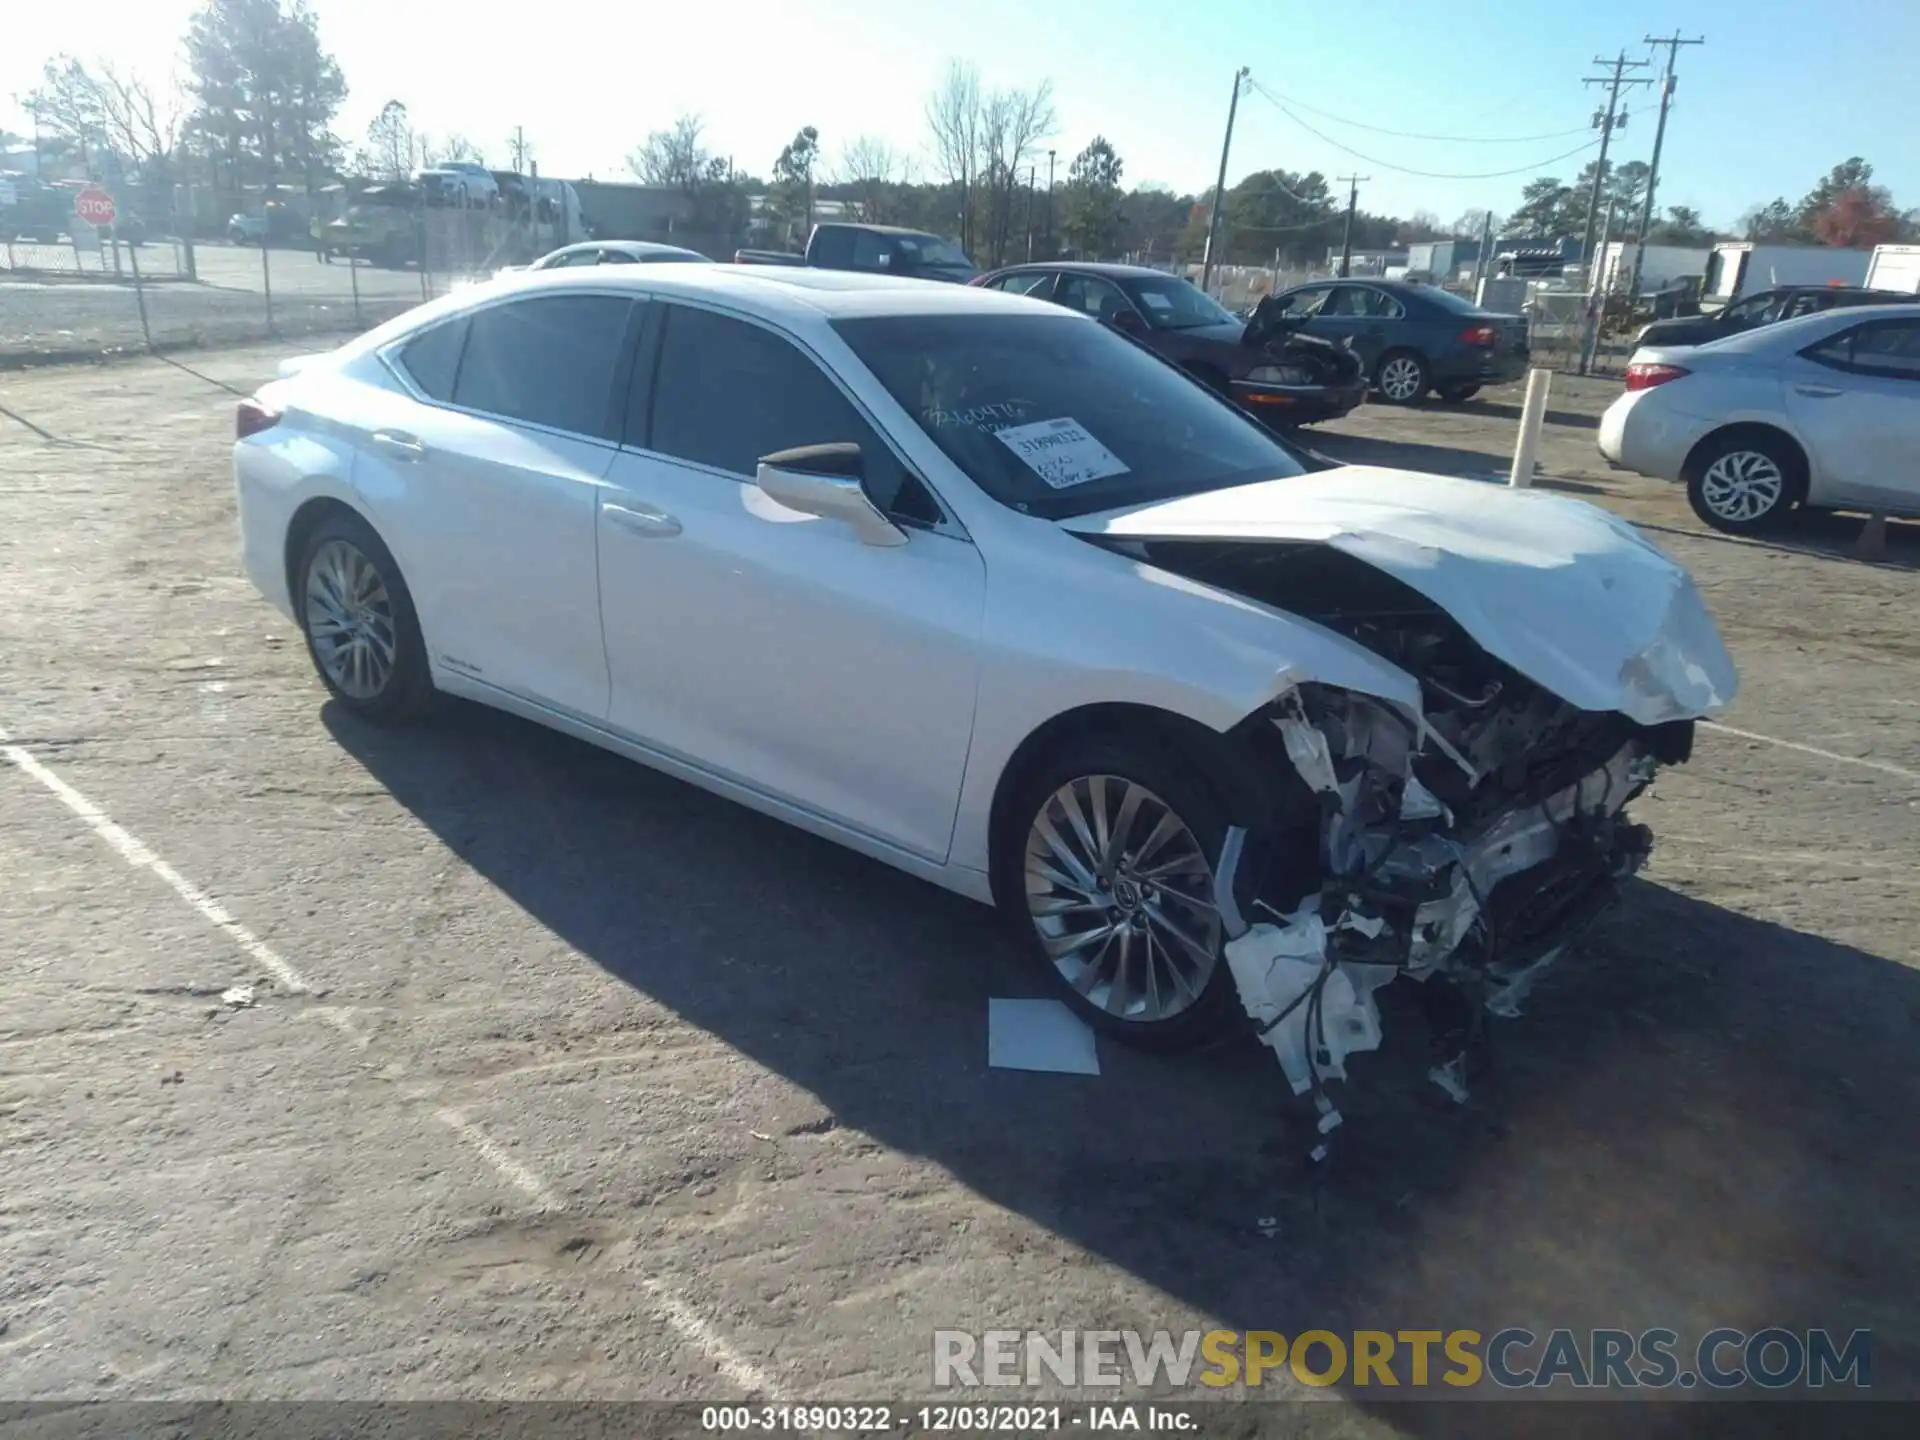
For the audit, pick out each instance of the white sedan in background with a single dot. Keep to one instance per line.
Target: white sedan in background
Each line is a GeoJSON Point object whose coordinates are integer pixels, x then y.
{"type": "Point", "coordinates": [1821, 411]}
{"type": "Point", "coordinates": [981, 589]}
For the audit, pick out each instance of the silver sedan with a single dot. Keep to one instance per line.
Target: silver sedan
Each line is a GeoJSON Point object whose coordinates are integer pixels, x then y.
{"type": "Point", "coordinates": [1818, 412]}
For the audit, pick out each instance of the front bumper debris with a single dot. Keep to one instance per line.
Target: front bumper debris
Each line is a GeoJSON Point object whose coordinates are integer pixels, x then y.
{"type": "Point", "coordinates": [1474, 897]}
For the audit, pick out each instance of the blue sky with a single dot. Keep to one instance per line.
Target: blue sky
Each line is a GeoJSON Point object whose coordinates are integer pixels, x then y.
{"type": "Point", "coordinates": [1780, 92]}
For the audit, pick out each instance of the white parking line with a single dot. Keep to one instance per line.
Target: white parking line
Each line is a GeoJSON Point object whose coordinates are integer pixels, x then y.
{"type": "Point", "coordinates": [516, 1174]}
{"type": "Point", "coordinates": [1881, 765]}
{"type": "Point", "coordinates": [682, 1317]}
{"type": "Point", "coordinates": [141, 858]}
{"type": "Point", "coordinates": [729, 1361]}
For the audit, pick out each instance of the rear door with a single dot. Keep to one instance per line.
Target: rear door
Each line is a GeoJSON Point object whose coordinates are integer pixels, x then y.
{"type": "Point", "coordinates": [1035, 283]}
{"type": "Point", "coordinates": [486, 486]}
{"type": "Point", "coordinates": [1855, 399]}
{"type": "Point", "coordinates": [1372, 318]}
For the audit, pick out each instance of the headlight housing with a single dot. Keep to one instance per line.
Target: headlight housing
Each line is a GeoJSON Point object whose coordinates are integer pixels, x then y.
{"type": "Point", "coordinates": [1277, 375]}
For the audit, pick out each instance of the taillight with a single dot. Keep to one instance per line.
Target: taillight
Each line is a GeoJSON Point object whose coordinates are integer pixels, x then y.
{"type": "Point", "coordinates": [1644, 375]}
{"type": "Point", "coordinates": [1480, 335]}
{"type": "Point", "coordinates": [251, 418]}
{"type": "Point", "coordinates": [978, 280]}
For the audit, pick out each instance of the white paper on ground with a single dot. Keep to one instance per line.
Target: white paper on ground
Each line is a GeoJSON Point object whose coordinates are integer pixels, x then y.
{"type": "Point", "coordinates": [1061, 452]}
{"type": "Point", "coordinates": [1039, 1035]}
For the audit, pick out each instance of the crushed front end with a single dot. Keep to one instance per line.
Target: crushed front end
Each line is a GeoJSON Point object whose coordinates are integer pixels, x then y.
{"type": "Point", "coordinates": [1459, 845]}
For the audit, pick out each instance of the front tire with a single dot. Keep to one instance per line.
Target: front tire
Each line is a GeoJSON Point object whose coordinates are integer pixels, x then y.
{"type": "Point", "coordinates": [1107, 870]}
{"type": "Point", "coordinates": [1402, 378]}
{"type": "Point", "coordinates": [1745, 483]}
{"type": "Point", "coordinates": [358, 618]}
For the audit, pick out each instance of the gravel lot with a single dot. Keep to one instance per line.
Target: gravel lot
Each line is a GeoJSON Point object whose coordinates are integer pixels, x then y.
{"type": "Point", "coordinates": [566, 1080]}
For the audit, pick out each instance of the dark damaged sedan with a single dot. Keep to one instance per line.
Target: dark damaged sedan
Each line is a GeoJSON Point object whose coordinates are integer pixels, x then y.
{"type": "Point", "coordinates": [1267, 367]}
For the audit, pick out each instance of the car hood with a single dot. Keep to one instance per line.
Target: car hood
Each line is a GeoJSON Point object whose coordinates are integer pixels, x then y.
{"type": "Point", "coordinates": [1568, 594]}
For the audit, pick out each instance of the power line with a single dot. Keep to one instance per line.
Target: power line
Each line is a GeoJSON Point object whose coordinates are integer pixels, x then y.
{"type": "Point", "coordinates": [1531, 169]}
{"type": "Point", "coordinates": [1417, 135]}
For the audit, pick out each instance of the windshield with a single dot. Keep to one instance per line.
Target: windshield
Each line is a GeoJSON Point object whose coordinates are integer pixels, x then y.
{"type": "Point", "coordinates": [1057, 416]}
{"type": "Point", "coordinates": [929, 250]}
{"type": "Point", "coordinates": [1176, 304]}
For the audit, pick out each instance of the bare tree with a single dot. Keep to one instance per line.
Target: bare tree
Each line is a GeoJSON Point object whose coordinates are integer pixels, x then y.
{"type": "Point", "coordinates": [983, 142]}
{"type": "Point", "coordinates": [108, 113]}
{"type": "Point", "coordinates": [390, 141]}
{"type": "Point", "coordinates": [1012, 124]}
{"type": "Point", "coordinates": [144, 127]}
{"type": "Point", "coordinates": [872, 167]}
{"type": "Point", "coordinates": [449, 147]}
{"type": "Point", "coordinates": [673, 157]}
{"type": "Point", "coordinates": [953, 115]}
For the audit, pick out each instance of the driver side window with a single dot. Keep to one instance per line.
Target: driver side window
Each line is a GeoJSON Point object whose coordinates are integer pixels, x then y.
{"type": "Point", "coordinates": [726, 392]}
{"type": "Point", "coordinates": [1092, 295]}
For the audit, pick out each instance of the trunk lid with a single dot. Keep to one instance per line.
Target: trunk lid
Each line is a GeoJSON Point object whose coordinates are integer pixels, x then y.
{"type": "Point", "coordinates": [1568, 594]}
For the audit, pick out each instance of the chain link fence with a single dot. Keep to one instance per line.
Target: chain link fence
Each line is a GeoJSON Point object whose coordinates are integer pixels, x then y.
{"type": "Point", "coordinates": [73, 301]}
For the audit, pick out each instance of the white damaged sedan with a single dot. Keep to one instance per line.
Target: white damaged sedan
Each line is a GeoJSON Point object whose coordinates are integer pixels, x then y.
{"type": "Point", "coordinates": [985, 591]}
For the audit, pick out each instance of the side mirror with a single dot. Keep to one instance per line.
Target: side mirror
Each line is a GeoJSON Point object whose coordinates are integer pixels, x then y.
{"type": "Point", "coordinates": [824, 480]}
{"type": "Point", "coordinates": [1128, 322]}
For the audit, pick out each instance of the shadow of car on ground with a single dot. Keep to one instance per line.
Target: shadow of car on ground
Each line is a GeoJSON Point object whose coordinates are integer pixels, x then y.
{"type": "Point", "coordinates": [1703, 1119]}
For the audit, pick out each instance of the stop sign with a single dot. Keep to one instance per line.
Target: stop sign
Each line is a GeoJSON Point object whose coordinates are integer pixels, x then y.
{"type": "Point", "coordinates": [94, 205]}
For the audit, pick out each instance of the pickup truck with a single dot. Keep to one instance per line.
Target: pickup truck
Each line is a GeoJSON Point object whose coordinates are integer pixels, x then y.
{"type": "Point", "coordinates": [877, 249]}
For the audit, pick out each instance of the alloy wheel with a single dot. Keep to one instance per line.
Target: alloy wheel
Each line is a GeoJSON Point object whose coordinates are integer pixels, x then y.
{"type": "Point", "coordinates": [1742, 486]}
{"type": "Point", "coordinates": [1400, 378]}
{"type": "Point", "coordinates": [1120, 893]}
{"type": "Point", "coordinates": [350, 620]}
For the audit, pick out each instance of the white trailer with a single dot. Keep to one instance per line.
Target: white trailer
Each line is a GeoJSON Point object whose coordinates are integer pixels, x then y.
{"type": "Point", "coordinates": [1740, 267]}
{"type": "Point", "coordinates": [1895, 267]}
{"type": "Point", "coordinates": [1662, 265]}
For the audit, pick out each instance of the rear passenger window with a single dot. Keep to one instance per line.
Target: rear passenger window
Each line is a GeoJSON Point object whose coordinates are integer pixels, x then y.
{"type": "Point", "coordinates": [727, 392]}
{"type": "Point", "coordinates": [432, 358]}
{"type": "Point", "coordinates": [548, 361]}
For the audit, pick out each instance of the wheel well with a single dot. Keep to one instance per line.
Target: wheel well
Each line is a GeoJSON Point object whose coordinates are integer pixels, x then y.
{"type": "Point", "coordinates": [1249, 781]}
{"type": "Point", "coordinates": [1388, 354]}
{"type": "Point", "coordinates": [301, 526]}
{"type": "Point", "coordinates": [1753, 432]}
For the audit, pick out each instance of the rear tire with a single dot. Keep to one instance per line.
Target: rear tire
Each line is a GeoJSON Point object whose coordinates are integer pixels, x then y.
{"type": "Point", "coordinates": [1127, 936]}
{"type": "Point", "coordinates": [1745, 482]}
{"type": "Point", "coordinates": [1402, 378]}
{"type": "Point", "coordinates": [357, 615]}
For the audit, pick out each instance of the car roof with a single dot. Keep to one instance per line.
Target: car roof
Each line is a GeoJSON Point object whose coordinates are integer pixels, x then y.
{"type": "Point", "coordinates": [1093, 267]}
{"type": "Point", "coordinates": [788, 292]}
{"type": "Point", "coordinates": [1802, 330]}
{"type": "Point", "coordinates": [631, 247]}
{"type": "Point", "coordinates": [876, 229]}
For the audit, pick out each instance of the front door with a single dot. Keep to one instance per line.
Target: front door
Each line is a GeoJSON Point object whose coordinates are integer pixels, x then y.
{"type": "Point", "coordinates": [771, 648]}
{"type": "Point", "coordinates": [1856, 400]}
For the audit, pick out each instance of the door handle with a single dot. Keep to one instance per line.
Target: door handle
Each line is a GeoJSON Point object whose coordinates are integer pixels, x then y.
{"type": "Point", "coordinates": [641, 520]}
{"type": "Point", "coordinates": [1816, 392]}
{"type": "Point", "coordinates": [399, 444]}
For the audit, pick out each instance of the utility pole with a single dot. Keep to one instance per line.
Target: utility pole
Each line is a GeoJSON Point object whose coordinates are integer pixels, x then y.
{"type": "Point", "coordinates": [1353, 203]}
{"type": "Point", "coordinates": [1673, 44]}
{"type": "Point", "coordinates": [1050, 244]}
{"type": "Point", "coordinates": [1484, 254]}
{"type": "Point", "coordinates": [1033, 175]}
{"type": "Point", "coordinates": [1605, 122]}
{"type": "Point", "coordinates": [1220, 185]}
